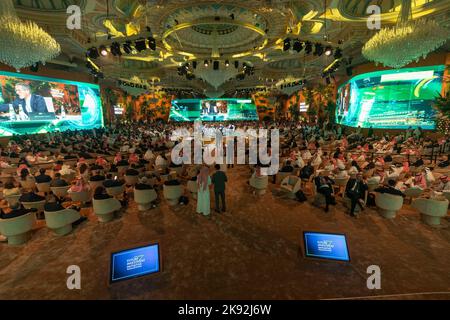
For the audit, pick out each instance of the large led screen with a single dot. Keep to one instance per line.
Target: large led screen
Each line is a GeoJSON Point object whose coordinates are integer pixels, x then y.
{"type": "Point", "coordinates": [391, 99]}
{"type": "Point", "coordinates": [31, 104]}
{"type": "Point", "coordinates": [213, 110]}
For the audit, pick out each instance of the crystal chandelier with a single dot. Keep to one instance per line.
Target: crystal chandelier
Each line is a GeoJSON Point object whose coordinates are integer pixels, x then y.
{"type": "Point", "coordinates": [23, 43]}
{"type": "Point", "coordinates": [406, 42]}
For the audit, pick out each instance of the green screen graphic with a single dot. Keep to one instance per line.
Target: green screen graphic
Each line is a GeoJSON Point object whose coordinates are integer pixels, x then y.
{"type": "Point", "coordinates": [391, 99]}
{"type": "Point", "coordinates": [32, 104]}
{"type": "Point", "coordinates": [213, 110]}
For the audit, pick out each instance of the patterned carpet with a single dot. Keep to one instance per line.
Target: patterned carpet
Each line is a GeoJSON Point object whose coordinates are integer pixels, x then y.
{"type": "Point", "coordinates": [253, 251]}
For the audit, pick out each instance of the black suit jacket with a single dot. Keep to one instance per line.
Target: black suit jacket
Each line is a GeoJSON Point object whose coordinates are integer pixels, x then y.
{"type": "Point", "coordinates": [37, 104]}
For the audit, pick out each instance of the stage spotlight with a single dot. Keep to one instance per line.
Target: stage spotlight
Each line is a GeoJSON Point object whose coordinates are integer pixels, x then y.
{"type": "Point", "coordinates": [206, 63]}
{"type": "Point", "coordinates": [115, 49]}
{"type": "Point", "coordinates": [194, 64]}
{"type": "Point", "coordinates": [227, 63]}
{"type": "Point", "coordinates": [236, 64]}
{"type": "Point", "coordinates": [93, 53]}
{"type": "Point", "coordinates": [286, 44]}
{"type": "Point", "coordinates": [232, 16]}
{"type": "Point", "coordinates": [151, 43]}
{"type": "Point", "coordinates": [308, 47]}
{"type": "Point", "coordinates": [338, 53]}
{"type": "Point", "coordinates": [328, 80]}
{"type": "Point", "coordinates": [319, 49]}
{"type": "Point", "coordinates": [216, 65]}
{"type": "Point", "coordinates": [328, 51]}
{"type": "Point", "coordinates": [140, 44]}
{"type": "Point", "coordinates": [298, 46]}
{"type": "Point", "coordinates": [127, 47]}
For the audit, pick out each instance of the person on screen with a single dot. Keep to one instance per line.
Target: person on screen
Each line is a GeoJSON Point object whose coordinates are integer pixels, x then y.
{"type": "Point", "coordinates": [27, 102]}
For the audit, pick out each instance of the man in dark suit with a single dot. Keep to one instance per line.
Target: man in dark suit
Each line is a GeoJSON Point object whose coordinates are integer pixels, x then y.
{"type": "Point", "coordinates": [219, 178]}
{"type": "Point", "coordinates": [356, 190]}
{"type": "Point", "coordinates": [390, 188]}
{"type": "Point", "coordinates": [27, 102]}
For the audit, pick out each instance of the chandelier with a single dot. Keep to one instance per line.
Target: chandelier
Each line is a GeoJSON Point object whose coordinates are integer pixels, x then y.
{"type": "Point", "coordinates": [23, 43]}
{"type": "Point", "coordinates": [406, 42]}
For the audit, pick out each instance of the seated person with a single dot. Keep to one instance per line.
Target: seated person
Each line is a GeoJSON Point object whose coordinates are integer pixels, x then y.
{"type": "Point", "coordinates": [58, 181]}
{"type": "Point", "coordinates": [110, 182]}
{"type": "Point", "coordinates": [444, 184]}
{"type": "Point", "coordinates": [444, 163]}
{"type": "Point", "coordinates": [143, 184]}
{"type": "Point", "coordinates": [97, 177]}
{"type": "Point", "coordinates": [390, 188]}
{"type": "Point", "coordinates": [31, 197]}
{"type": "Point", "coordinates": [287, 167]}
{"type": "Point", "coordinates": [42, 177]}
{"type": "Point", "coordinates": [54, 206]}
{"type": "Point", "coordinates": [80, 186]}
{"type": "Point", "coordinates": [356, 190]}
{"type": "Point", "coordinates": [418, 163]}
{"type": "Point", "coordinates": [172, 180]}
{"type": "Point", "coordinates": [324, 185]}
{"type": "Point", "coordinates": [17, 210]}
{"type": "Point", "coordinates": [100, 194]}
{"type": "Point", "coordinates": [132, 171]}
{"type": "Point", "coordinates": [307, 171]}
{"type": "Point", "coordinates": [10, 190]}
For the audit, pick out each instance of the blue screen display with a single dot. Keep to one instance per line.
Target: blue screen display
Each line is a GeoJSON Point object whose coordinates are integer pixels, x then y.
{"type": "Point", "coordinates": [135, 262]}
{"type": "Point", "coordinates": [326, 246]}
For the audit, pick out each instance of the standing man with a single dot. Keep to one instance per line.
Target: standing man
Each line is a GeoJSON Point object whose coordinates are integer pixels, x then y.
{"type": "Point", "coordinates": [356, 190]}
{"type": "Point", "coordinates": [219, 178]}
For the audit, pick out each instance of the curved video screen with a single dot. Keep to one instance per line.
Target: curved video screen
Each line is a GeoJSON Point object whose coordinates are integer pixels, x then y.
{"type": "Point", "coordinates": [213, 110]}
{"type": "Point", "coordinates": [391, 99]}
{"type": "Point", "coordinates": [32, 104]}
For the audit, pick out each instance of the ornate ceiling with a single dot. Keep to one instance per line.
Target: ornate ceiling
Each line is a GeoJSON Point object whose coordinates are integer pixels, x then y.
{"type": "Point", "coordinates": [250, 31]}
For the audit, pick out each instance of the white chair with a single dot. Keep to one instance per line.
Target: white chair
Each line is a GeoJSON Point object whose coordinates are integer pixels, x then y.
{"type": "Point", "coordinates": [291, 184]}
{"type": "Point", "coordinates": [431, 210]}
{"type": "Point", "coordinates": [83, 197]}
{"type": "Point", "coordinates": [60, 192]}
{"type": "Point", "coordinates": [131, 180]}
{"type": "Point", "coordinates": [104, 209]}
{"type": "Point", "coordinates": [12, 199]}
{"type": "Point", "coordinates": [69, 177]}
{"type": "Point", "coordinates": [340, 184]}
{"type": "Point", "coordinates": [413, 192]}
{"type": "Point", "coordinates": [95, 184]}
{"type": "Point", "coordinates": [38, 205]}
{"type": "Point", "coordinates": [259, 184]}
{"type": "Point", "coordinates": [144, 198]}
{"type": "Point", "coordinates": [17, 229]}
{"type": "Point", "coordinates": [372, 186]}
{"type": "Point", "coordinates": [192, 187]}
{"type": "Point", "coordinates": [446, 194]}
{"type": "Point", "coordinates": [61, 221]}
{"type": "Point", "coordinates": [281, 175]}
{"type": "Point", "coordinates": [172, 194]}
{"type": "Point", "coordinates": [115, 191]}
{"type": "Point", "coordinates": [28, 184]}
{"type": "Point", "coordinates": [121, 170]}
{"type": "Point", "coordinates": [43, 187]}
{"type": "Point", "coordinates": [388, 204]}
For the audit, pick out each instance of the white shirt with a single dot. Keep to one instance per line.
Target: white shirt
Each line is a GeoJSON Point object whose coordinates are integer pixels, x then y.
{"type": "Point", "coordinates": [28, 104]}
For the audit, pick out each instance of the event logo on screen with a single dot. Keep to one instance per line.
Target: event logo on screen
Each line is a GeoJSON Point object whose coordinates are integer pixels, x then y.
{"type": "Point", "coordinates": [326, 246]}
{"type": "Point", "coordinates": [135, 262]}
